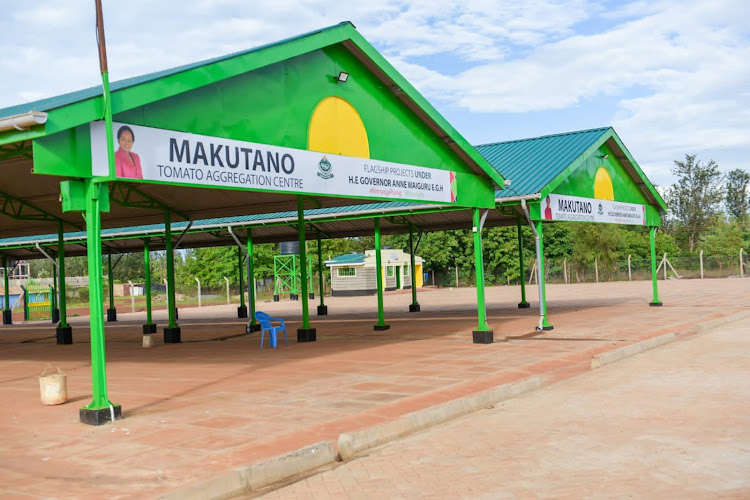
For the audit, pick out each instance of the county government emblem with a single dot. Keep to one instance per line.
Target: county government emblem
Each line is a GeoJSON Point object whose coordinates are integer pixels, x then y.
{"type": "Point", "coordinates": [325, 170]}
{"type": "Point", "coordinates": [601, 209]}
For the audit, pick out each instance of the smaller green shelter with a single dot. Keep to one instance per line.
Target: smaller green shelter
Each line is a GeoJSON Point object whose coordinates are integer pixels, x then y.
{"type": "Point", "coordinates": [583, 176]}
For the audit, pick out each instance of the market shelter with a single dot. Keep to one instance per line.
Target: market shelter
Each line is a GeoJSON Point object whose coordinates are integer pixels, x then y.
{"type": "Point", "coordinates": [583, 176]}
{"type": "Point", "coordinates": [320, 120]}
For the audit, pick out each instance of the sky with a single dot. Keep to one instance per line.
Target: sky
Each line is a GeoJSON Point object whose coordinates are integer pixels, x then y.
{"type": "Point", "coordinates": [672, 77]}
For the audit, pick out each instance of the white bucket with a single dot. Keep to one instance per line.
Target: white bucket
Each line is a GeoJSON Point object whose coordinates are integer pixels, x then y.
{"type": "Point", "coordinates": [148, 341]}
{"type": "Point", "coordinates": [53, 387]}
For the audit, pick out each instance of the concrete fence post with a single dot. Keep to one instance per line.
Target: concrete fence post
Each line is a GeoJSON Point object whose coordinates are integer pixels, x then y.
{"type": "Point", "coordinates": [630, 276]}
{"type": "Point", "coordinates": [596, 268]}
{"type": "Point", "coordinates": [199, 292]}
{"type": "Point", "coordinates": [742, 265]}
{"type": "Point", "coordinates": [227, 280]}
{"type": "Point", "coordinates": [701, 255]}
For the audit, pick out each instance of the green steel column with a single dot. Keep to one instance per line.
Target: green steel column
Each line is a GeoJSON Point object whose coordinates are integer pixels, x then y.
{"type": "Point", "coordinates": [483, 334]}
{"type": "Point", "coordinates": [172, 332]}
{"type": "Point", "coordinates": [543, 323]}
{"type": "Point", "coordinates": [242, 282]}
{"type": "Point", "coordinates": [254, 326]}
{"type": "Point", "coordinates": [7, 313]}
{"type": "Point", "coordinates": [523, 304]}
{"type": "Point", "coordinates": [149, 327]}
{"type": "Point", "coordinates": [100, 409]}
{"type": "Point", "coordinates": [652, 239]}
{"type": "Point", "coordinates": [414, 306]}
{"type": "Point", "coordinates": [61, 271]}
{"type": "Point", "coordinates": [381, 325]}
{"type": "Point", "coordinates": [322, 308]}
{"type": "Point", "coordinates": [112, 311]}
{"type": "Point", "coordinates": [306, 333]}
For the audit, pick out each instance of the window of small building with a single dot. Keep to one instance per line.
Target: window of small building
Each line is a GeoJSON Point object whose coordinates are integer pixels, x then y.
{"type": "Point", "coordinates": [346, 271]}
{"type": "Point", "coordinates": [389, 271]}
{"type": "Point", "coordinates": [406, 271]}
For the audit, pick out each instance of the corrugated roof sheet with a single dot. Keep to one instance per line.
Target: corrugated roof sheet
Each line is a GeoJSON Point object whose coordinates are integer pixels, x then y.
{"type": "Point", "coordinates": [347, 259]}
{"type": "Point", "coordinates": [82, 95]}
{"type": "Point", "coordinates": [531, 164]}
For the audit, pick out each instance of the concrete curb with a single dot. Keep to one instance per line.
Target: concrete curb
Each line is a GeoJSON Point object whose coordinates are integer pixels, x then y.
{"type": "Point", "coordinates": [353, 443]}
{"type": "Point", "coordinates": [608, 357]}
{"type": "Point", "coordinates": [256, 476]}
{"type": "Point", "coordinates": [710, 325]}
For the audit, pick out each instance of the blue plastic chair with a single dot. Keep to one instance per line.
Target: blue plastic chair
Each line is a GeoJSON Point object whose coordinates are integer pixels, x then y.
{"type": "Point", "coordinates": [266, 325]}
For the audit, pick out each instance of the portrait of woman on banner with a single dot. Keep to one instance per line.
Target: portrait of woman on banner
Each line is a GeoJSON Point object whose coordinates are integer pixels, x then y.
{"type": "Point", "coordinates": [127, 163]}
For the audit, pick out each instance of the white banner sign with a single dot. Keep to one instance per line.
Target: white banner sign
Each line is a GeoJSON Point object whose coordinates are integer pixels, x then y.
{"type": "Point", "coordinates": [574, 208]}
{"type": "Point", "coordinates": [181, 158]}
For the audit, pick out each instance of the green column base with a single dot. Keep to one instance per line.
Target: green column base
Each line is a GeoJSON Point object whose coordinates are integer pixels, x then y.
{"type": "Point", "coordinates": [483, 336]}
{"type": "Point", "coordinates": [172, 335]}
{"type": "Point", "coordinates": [381, 328]}
{"type": "Point", "coordinates": [149, 328]}
{"type": "Point", "coordinates": [64, 335]}
{"type": "Point", "coordinates": [414, 308]}
{"type": "Point", "coordinates": [323, 310]}
{"type": "Point", "coordinates": [655, 304]}
{"type": "Point", "coordinates": [252, 327]}
{"type": "Point", "coordinates": [7, 317]}
{"type": "Point", "coordinates": [111, 314]}
{"type": "Point", "coordinates": [242, 311]}
{"type": "Point", "coordinates": [545, 326]}
{"type": "Point", "coordinates": [306, 335]}
{"type": "Point", "coordinates": [523, 305]}
{"type": "Point", "coordinates": [100, 416]}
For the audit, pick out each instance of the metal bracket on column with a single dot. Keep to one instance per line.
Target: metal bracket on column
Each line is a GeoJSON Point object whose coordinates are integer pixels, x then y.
{"type": "Point", "coordinates": [179, 240]}
{"type": "Point", "coordinates": [38, 247]}
{"type": "Point", "coordinates": [237, 240]}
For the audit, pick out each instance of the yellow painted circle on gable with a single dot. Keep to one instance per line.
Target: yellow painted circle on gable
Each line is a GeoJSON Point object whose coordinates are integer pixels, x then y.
{"type": "Point", "coordinates": [336, 128]}
{"type": "Point", "coordinates": [603, 189]}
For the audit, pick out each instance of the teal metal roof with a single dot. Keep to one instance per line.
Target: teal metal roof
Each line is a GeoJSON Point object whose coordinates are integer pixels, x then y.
{"type": "Point", "coordinates": [347, 260]}
{"type": "Point", "coordinates": [531, 164]}
{"type": "Point", "coordinates": [81, 95]}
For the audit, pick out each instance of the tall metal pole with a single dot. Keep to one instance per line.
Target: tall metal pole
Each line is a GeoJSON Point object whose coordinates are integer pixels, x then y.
{"type": "Point", "coordinates": [100, 410]}
{"type": "Point", "coordinates": [112, 311]}
{"type": "Point", "coordinates": [523, 304]}
{"type": "Point", "coordinates": [149, 327]}
{"type": "Point", "coordinates": [7, 312]}
{"type": "Point", "coordinates": [252, 325]}
{"type": "Point", "coordinates": [64, 332]}
{"type": "Point", "coordinates": [483, 334]}
{"type": "Point", "coordinates": [172, 334]}
{"type": "Point", "coordinates": [381, 325]}
{"type": "Point", "coordinates": [322, 307]}
{"type": "Point", "coordinates": [652, 240]}
{"type": "Point", "coordinates": [414, 306]}
{"type": "Point", "coordinates": [541, 281]}
{"type": "Point", "coordinates": [242, 309]}
{"type": "Point", "coordinates": [306, 333]}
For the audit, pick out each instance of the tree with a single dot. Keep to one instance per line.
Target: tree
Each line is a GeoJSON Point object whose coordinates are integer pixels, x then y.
{"type": "Point", "coordinates": [737, 199]}
{"type": "Point", "coordinates": [695, 198]}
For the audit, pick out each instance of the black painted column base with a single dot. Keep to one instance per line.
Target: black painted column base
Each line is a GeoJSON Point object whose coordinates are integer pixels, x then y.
{"type": "Point", "coordinates": [64, 335]}
{"type": "Point", "coordinates": [483, 336]}
{"type": "Point", "coordinates": [275, 298]}
{"type": "Point", "coordinates": [250, 328]}
{"type": "Point", "coordinates": [293, 296]}
{"type": "Point", "coordinates": [322, 310]}
{"type": "Point", "coordinates": [7, 317]}
{"type": "Point", "coordinates": [101, 416]}
{"type": "Point", "coordinates": [149, 329]}
{"type": "Point", "coordinates": [242, 312]}
{"type": "Point", "coordinates": [172, 335]}
{"type": "Point", "coordinates": [176, 313]}
{"type": "Point", "coordinates": [55, 315]}
{"type": "Point", "coordinates": [523, 305]}
{"type": "Point", "coordinates": [311, 296]}
{"type": "Point", "coordinates": [547, 328]}
{"type": "Point", "coordinates": [414, 308]}
{"type": "Point", "coordinates": [111, 314]}
{"type": "Point", "coordinates": [381, 328]}
{"type": "Point", "coordinates": [306, 335]}
{"type": "Point", "coordinates": [655, 304]}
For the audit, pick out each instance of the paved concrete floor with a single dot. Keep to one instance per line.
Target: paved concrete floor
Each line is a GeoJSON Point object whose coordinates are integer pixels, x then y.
{"type": "Point", "coordinates": [673, 422]}
{"type": "Point", "coordinates": [197, 409]}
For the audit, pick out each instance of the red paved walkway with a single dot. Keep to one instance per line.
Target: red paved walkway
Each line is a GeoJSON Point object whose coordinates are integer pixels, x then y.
{"type": "Point", "coordinates": [195, 410]}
